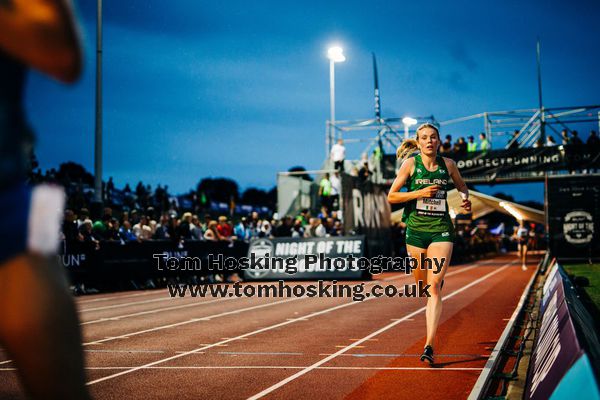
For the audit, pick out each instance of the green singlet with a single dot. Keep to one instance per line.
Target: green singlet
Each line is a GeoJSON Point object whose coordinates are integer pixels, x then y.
{"type": "Point", "coordinates": [429, 214]}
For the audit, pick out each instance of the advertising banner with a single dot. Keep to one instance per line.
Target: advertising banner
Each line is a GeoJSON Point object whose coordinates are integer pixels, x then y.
{"type": "Point", "coordinates": [507, 163]}
{"type": "Point", "coordinates": [555, 350]}
{"type": "Point", "coordinates": [573, 216]}
{"type": "Point", "coordinates": [367, 212]}
{"type": "Point", "coordinates": [304, 258]}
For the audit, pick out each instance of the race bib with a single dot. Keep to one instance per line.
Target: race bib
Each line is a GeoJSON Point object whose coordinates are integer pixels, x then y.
{"type": "Point", "coordinates": [431, 207]}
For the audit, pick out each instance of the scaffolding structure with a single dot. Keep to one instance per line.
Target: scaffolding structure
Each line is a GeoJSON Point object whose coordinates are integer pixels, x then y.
{"type": "Point", "coordinates": [384, 135]}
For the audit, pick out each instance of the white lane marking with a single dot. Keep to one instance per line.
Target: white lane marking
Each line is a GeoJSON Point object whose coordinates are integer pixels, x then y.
{"type": "Point", "coordinates": [119, 317]}
{"type": "Point", "coordinates": [285, 367]}
{"type": "Point", "coordinates": [373, 334]}
{"type": "Point", "coordinates": [260, 353]}
{"type": "Point", "coordinates": [123, 351]}
{"type": "Point", "coordinates": [268, 328]}
{"type": "Point", "coordinates": [165, 298]}
{"type": "Point", "coordinates": [125, 296]}
{"type": "Point", "coordinates": [190, 321]}
{"type": "Point", "coordinates": [209, 317]}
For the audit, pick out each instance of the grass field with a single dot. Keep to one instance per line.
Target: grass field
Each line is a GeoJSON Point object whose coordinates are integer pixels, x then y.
{"type": "Point", "coordinates": [592, 272]}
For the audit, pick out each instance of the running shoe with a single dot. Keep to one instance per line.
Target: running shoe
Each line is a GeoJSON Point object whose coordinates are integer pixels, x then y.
{"type": "Point", "coordinates": [427, 354]}
{"type": "Point", "coordinates": [524, 267]}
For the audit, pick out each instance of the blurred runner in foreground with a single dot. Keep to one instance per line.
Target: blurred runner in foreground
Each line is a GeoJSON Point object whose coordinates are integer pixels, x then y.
{"type": "Point", "coordinates": [38, 322]}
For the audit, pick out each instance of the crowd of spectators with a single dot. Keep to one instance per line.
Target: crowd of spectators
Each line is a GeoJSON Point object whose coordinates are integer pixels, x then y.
{"type": "Point", "coordinates": [137, 226]}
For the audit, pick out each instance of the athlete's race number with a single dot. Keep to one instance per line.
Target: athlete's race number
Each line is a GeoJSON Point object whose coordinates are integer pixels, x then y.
{"type": "Point", "coordinates": [431, 207]}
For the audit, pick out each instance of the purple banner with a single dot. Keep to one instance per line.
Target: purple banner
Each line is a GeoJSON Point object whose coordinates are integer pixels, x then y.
{"type": "Point", "coordinates": [553, 281]}
{"type": "Point", "coordinates": [556, 348]}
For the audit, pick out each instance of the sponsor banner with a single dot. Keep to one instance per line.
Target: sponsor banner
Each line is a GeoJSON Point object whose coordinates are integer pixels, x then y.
{"type": "Point", "coordinates": [367, 212]}
{"type": "Point", "coordinates": [553, 281]}
{"type": "Point", "coordinates": [331, 265]}
{"type": "Point", "coordinates": [555, 350]}
{"type": "Point", "coordinates": [505, 163]}
{"type": "Point", "coordinates": [116, 261]}
{"type": "Point", "coordinates": [573, 216]}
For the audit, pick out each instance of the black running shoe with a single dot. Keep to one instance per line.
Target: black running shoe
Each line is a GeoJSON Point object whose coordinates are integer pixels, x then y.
{"type": "Point", "coordinates": [427, 354]}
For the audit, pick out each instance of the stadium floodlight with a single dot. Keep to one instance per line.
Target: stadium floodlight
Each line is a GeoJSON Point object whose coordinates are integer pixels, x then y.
{"type": "Point", "coordinates": [408, 122]}
{"type": "Point", "coordinates": [335, 54]}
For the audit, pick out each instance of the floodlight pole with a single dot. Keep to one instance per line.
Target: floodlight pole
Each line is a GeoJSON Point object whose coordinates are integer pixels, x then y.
{"type": "Point", "coordinates": [541, 106]}
{"type": "Point", "coordinates": [98, 132]}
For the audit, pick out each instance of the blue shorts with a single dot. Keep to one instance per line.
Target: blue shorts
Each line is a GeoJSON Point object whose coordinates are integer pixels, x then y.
{"type": "Point", "coordinates": [31, 219]}
{"type": "Point", "coordinates": [15, 202]}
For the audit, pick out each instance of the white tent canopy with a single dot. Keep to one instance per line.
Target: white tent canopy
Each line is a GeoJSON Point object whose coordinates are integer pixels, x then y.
{"type": "Point", "coordinates": [483, 204]}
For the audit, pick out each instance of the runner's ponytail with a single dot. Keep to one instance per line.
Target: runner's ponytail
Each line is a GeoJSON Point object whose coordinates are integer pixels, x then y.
{"type": "Point", "coordinates": [407, 147]}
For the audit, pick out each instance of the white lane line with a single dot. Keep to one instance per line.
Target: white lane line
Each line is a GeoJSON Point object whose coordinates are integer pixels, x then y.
{"type": "Point", "coordinates": [260, 353]}
{"type": "Point", "coordinates": [119, 317]}
{"type": "Point", "coordinates": [360, 355]}
{"type": "Point", "coordinates": [5, 362]}
{"type": "Point", "coordinates": [123, 351]}
{"type": "Point", "coordinates": [165, 298]}
{"type": "Point", "coordinates": [285, 367]}
{"type": "Point", "coordinates": [125, 296]}
{"type": "Point", "coordinates": [209, 317]}
{"type": "Point", "coordinates": [373, 334]}
{"type": "Point", "coordinates": [268, 328]}
{"type": "Point", "coordinates": [190, 321]}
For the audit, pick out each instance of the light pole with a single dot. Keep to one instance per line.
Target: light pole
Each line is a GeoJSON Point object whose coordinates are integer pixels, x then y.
{"type": "Point", "coordinates": [408, 122]}
{"type": "Point", "coordinates": [98, 195]}
{"type": "Point", "coordinates": [335, 54]}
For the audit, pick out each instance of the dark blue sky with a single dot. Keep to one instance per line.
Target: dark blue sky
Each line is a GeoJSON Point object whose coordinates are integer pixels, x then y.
{"type": "Point", "coordinates": [241, 89]}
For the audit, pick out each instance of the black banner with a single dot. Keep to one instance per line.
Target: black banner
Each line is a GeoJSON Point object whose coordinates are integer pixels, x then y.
{"type": "Point", "coordinates": [367, 212]}
{"type": "Point", "coordinates": [515, 163]}
{"type": "Point", "coordinates": [266, 251]}
{"type": "Point", "coordinates": [115, 262]}
{"type": "Point", "coordinates": [573, 216]}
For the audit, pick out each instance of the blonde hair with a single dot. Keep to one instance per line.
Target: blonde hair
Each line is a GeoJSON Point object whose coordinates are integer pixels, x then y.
{"type": "Point", "coordinates": [410, 145]}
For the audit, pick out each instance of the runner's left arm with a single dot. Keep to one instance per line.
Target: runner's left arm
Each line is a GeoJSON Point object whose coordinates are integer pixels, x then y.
{"type": "Point", "coordinates": [460, 184]}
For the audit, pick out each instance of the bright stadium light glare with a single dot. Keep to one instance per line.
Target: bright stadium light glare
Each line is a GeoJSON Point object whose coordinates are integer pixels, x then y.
{"type": "Point", "coordinates": [408, 121]}
{"type": "Point", "coordinates": [511, 210]}
{"type": "Point", "coordinates": [336, 54]}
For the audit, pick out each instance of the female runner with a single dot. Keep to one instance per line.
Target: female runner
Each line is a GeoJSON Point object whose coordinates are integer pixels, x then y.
{"type": "Point", "coordinates": [429, 228]}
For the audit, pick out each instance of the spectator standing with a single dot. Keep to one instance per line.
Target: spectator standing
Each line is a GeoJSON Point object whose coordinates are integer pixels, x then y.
{"type": "Point", "coordinates": [142, 230]}
{"type": "Point", "coordinates": [514, 143]}
{"type": "Point", "coordinates": [336, 190]}
{"type": "Point", "coordinates": [575, 140]}
{"type": "Point", "coordinates": [471, 145]}
{"type": "Point", "coordinates": [338, 155]}
{"type": "Point", "coordinates": [460, 148]}
{"type": "Point", "coordinates": [325, 191]}
{"type": "Point", "coordinates": [593, 139]}
{"type": "Point", "coordinates": [225, 230]}
{"type": "Point", "coordinates": [565, 137]}
{"type": "Point", "coordinates": [446, 146]}
{"type": "Point", "coordinates": [126, 233]}
{"type": "Point", "coordinates": [550, 141]}
{"type": "Point", "coordinates": [212, 233]}
{"type": "Point", "coordinates": [484, 144]}
{"type": "Point", "coordinates": [364, 173]}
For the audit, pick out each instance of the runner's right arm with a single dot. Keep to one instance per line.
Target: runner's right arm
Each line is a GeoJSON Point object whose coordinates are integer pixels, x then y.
{"type": "Point", "coordinates": [394, 196]}
{"type": "Point", "coordinates": [41, 34]}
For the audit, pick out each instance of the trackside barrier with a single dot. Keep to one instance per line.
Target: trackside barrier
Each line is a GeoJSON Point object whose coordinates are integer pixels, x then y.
{"type": "Point", "coordinates": [564, 362]}
{"type": "Point", "coordinates": [480, 387]}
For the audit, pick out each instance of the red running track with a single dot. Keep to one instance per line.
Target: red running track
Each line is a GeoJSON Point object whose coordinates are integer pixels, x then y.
{"type": "Point", "coordinates": [147, 345]}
